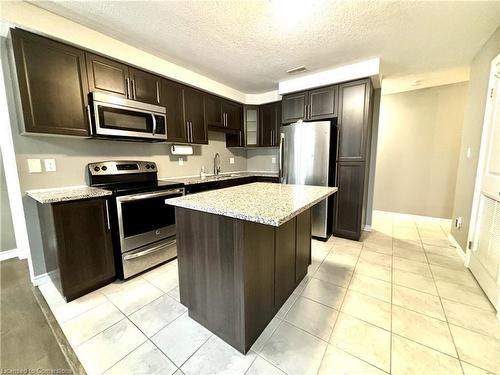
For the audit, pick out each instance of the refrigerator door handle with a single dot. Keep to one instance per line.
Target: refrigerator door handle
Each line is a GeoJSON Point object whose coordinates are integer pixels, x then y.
{"type": "Point", "coordinates": [282, 146]}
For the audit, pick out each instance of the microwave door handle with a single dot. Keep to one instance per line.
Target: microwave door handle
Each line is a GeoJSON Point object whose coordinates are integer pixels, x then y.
{"type": "Point", "coordinates": [154, 123]}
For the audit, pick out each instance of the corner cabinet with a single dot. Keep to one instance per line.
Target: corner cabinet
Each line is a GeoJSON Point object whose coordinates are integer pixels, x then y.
{"type": "Point", "coordinates": [262, 125]}
{"type": "Point", "coordinates": [317, 104]}
{"type": "Point", "coordinates": [52, 84]}
{"type": "Point", "coordinates": [77, 245]}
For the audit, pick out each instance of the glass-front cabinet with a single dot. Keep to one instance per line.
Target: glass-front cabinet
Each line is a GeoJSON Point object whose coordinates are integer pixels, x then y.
{"type": "Point", "coordinates": [251, 125]}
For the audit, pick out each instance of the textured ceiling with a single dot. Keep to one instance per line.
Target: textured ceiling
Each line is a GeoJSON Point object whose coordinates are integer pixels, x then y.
{"type": "Point", "coordinates": [249, 45]}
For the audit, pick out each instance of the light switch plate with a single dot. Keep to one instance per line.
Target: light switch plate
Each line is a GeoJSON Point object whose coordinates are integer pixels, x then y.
{"type": "Point", "coordinates": [231, 160]}
{"type": "Point", "coordinates": [50, 165]}
{"type": "Point", "coordinates": [34, 166]}
{"type": "Point", "coordinates": [273, 160]}
{"type": "Point", "coordinates": [181, 161]}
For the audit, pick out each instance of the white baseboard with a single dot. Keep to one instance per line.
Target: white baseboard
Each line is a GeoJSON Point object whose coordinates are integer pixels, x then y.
{"type": "Point", "coordinates": [8, 254]}
{"type": "Point", "coordinates": [42, 279]}
{"type": "Point", "coordinates": [367, 228]}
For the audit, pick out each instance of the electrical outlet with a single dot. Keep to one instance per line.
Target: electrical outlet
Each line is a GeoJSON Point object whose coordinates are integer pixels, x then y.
{"type": "Point", "coordinates": [458, 222]}
{"type": "Point", "coordinates": [181, 161]}
{"type": "Point", "coordinates": [231, 160]}
{"type": "Point", "coordinates": [34, 166]}
{"type": "Point", "coordinates": [50, 165]}
{"type": "Point", "coordinates": [273, 160]}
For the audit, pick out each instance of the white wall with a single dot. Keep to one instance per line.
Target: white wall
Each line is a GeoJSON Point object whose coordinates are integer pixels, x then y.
{"type": "Point", "coordinates": [471, 135]}
{"type": "Point", "coordinates": [418, 150]}
{"type": "Point", "coordinates": [7, 238]}
{"type": "Point", "coordinates": [261, 159]}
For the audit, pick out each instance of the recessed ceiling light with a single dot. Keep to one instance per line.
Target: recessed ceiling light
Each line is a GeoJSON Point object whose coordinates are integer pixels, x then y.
{"type": "Point", "coordinates": [298, 69]}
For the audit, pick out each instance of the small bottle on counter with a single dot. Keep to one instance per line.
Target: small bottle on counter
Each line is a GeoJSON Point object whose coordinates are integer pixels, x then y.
{"type": "Point", "coordinates": [202, 172]}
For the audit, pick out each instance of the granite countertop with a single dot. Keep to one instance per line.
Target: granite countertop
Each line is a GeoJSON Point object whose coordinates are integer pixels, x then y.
{"type": "Point", "coordinates": [66, 194]}
{"type": "Point", "coordinates": [221, 177]}
{"type": "Point", "coordinates": [260, 202]}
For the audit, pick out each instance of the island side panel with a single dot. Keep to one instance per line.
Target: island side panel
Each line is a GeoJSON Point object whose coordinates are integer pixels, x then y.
{"type": "Point", "coordinates": [285, 282]}
{"type": "Point", "coordinates": [210, 277]}
{"type": "Point", "coordinates": [258, 266]}
{"type": "Point", "coordinates": [303, 243]}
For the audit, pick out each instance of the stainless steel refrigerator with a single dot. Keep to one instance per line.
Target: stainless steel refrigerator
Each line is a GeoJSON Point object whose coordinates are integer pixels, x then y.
{"type": "Point", "coordinates": [308, 157]}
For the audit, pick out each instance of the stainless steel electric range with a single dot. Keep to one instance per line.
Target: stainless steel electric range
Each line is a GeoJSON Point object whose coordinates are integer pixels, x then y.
{"type": "Point", "coordinates": [143, 226]}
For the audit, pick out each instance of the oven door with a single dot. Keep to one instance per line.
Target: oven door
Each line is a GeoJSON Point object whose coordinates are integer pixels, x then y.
{"type": "Point", "coordinates": [145, 218]}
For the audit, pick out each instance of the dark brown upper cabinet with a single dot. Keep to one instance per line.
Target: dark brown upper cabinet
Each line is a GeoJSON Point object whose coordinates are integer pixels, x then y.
{"type": "Point", "coordinates": [145, 87]}
{"type": "Point", "coordinates": [107, 75]}
{"type": "Point", "coordinates": [52, 85]}
{"type": "Point", "coordinates": [77, 245]}
{"type": "Point", "coordinates": [354, 119]}
{"type": "Point", "coordinates": [317, 104]}
{"type": "Point", "coordinates": [213, 111]}
{"type": "Point", "coordinates": [269, 124]}
{"type": "Point", "coordinates": [322, 103]}
{"type": "Point", "coordinates": [294, 107]}
{"type": "Point", "coordinates": [172, 98]}
{"type": "Point", "coordinates": [222, 113]}
{"type": "Point", "coordinates": [116, 78]}
{"type": "Point", "coordinates": [233, 113]}
{"type": "Point", "coordinates": [185, 113]}
{"type": "Point", "coordinates": [195, 116]}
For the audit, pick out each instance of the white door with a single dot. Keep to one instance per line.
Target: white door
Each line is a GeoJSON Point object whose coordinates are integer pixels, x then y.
{"type": "Point", "coordinates": [484, 259]}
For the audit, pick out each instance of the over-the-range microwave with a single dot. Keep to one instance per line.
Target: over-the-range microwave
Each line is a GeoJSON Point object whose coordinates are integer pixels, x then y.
{"type": "Point", "coordinates": [117, 118]}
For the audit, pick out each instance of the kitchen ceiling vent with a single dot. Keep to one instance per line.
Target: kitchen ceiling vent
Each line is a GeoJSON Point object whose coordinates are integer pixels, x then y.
{"type": "Point", "coordinates": [296, 70]}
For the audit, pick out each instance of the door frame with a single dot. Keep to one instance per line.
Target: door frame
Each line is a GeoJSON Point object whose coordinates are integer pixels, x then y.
{"type": "Point", "coordinates": [483, 156]}
{"type": "Point", "coordinates": [10, 168]}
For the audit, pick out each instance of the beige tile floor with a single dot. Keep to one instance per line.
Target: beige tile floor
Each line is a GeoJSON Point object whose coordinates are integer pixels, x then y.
{"type": "Point", "coordinates": [400, 302]}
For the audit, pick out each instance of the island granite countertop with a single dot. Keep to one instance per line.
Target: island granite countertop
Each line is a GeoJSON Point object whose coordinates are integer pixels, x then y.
{"type": "Point", "coordinates": [260, 202]}
{"type": "Point", "coordinates": [66, 194]}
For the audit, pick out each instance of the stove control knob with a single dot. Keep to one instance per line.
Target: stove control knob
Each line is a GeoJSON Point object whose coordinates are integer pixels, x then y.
{"type": "Point", "coordinates": [104, 168]}
{"type": "Point", "coordinates": [97, 169]}
{"type": "Point", "coordinates": [148, 166]}
{"type": "Point", "coordinates": [153, 166]}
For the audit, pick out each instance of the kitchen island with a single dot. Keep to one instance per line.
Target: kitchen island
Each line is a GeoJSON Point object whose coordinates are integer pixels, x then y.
{"type": "Point", "coordinates": [242, 251]}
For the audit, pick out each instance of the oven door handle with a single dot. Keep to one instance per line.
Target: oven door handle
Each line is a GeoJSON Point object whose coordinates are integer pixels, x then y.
{"type": "Point", "coordinates": [136, 197]}
{"type": "Point", "coordinates": [149, 251]}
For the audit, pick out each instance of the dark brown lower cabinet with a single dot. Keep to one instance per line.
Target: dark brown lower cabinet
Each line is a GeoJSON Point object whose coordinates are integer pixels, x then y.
{"type": "Point", "coordinates": [285, 261]}
{"type": "Point", "coordinates": [77, 245]}
{"type": "Point", "coordinates": [303, 245]}
{"type": "Point", "coordinates": [349, 199]}
{"type": "Point", "coordinates": [234, 275]}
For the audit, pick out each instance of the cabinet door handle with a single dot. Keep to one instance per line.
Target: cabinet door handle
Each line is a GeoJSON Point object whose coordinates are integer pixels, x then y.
{"type": "Point", "coordinates": [187, 131]}
{"type": "Point", "coordinates": [271, 138]}
{"type": "Point", "coordinates": [157, 92]}
{"type": "Point", "coordinates": [127, 80]}
{"type": "Point", "coordinates": [132, 83]}
{"type": "Point", "coordinates": [107, 215]}
{"type": "Point", "coordinates": [191, 130]}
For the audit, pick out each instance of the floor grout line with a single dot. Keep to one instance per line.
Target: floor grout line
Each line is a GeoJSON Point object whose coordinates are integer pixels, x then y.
{"type": "Point", "coordinates": [445, 316]}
